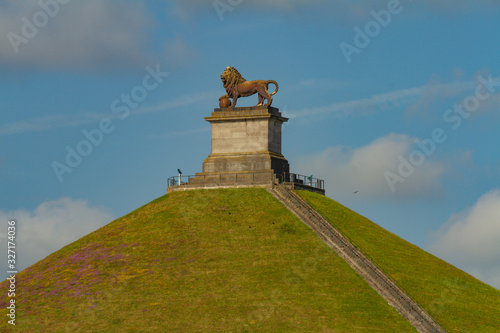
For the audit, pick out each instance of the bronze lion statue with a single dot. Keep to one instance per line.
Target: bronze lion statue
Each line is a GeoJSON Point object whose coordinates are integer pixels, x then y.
{"type": "Point", "coordinates": [236, 86]}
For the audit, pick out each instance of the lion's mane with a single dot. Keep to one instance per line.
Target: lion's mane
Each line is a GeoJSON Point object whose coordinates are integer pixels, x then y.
{"type": "Point", "coordinates": [231, 78]}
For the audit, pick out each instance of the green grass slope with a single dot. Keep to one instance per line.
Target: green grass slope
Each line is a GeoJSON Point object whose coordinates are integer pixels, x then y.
{"type": "Point", "coordinates": [456, 300]}
{"type": "Point", "coordinates": [199, 261]}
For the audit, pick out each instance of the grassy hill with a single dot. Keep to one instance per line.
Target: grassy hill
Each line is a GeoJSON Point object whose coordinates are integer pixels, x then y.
{"type": "Point", "coordinates": [456, 300]}
{"type": "Point", "coordinates": [237, 260]}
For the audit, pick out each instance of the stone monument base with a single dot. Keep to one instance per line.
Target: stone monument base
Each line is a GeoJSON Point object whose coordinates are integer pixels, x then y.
{"type": "Point", "coordinates": [250, 162]}
{"type": "Point", "coordinates": [246, 147]}
{"type": "Point", "coordinates": [233, 179]}
{"type": "Point", "coordinates": [246, 152]}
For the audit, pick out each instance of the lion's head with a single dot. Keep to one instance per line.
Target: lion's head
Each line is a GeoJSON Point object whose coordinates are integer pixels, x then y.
{"type": "Point", "coordinates": [231, 77]}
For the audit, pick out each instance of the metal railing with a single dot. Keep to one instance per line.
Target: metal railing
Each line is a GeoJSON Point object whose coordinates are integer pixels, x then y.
{"type": "Point", "coordinates": [302, 180]}
{"type": "Point", "coordinates": [223, 179]}
{"type": "Point", "coordinates": [242, 178]}
{"type": "Point", "coordinates": [178, 181]}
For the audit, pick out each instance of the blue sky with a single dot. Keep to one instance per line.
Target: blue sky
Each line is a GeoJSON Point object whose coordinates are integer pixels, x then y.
{"type": "Point", "coordinates": [398, 100]}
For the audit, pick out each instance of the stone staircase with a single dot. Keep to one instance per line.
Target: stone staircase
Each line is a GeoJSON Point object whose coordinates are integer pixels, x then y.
{"type": "Point", "coordinates": [357, 260]}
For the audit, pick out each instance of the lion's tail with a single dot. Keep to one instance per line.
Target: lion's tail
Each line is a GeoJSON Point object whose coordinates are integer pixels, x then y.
{"type": "Point", "coordinates": [276, 84]}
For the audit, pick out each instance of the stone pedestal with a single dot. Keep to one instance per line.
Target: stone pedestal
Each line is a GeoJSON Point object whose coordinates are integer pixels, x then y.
{"type": "Point", "coordinates": [246, 143]}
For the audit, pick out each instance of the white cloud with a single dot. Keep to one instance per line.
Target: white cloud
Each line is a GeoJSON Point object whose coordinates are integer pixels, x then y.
{"type": "Point", "coordinates": [183, 8]}
{"type": "Point", "coordinates": [89, 35]}
{"type": "Point", "coordinates": [416, 100]}
{"type": "Point", "coordinates": [364, 105]}
{"type": "Point", "coordinates": [182, 133]}
{"type": "Point", "coordinates": [435, 93]}
{"type": "Point", "coordinates": [460, 5]}
{"type": "Point", "coordinates": [336, 11]}
{"type": "Point", "coordinates": [436, 90]}
{"type": "Point", "coordinates": [317, 86]}
{"type": "Point", "coordinates": [471, 239]}
{"type": "Point", "coordinates": [179, 53]}
{"type": "Point", "coordinates": [362, 169]}
{"type": "Point", "coordinates": [50, 122]}
{"type": "Point", "coordinates": [52, 225]}
{"type": "Point", "coordinates": [340, 10]}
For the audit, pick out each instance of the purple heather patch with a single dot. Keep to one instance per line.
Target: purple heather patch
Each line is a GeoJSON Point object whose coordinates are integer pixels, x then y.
{"type": "Point", "coordinates": [55, 292]}
{"type": "Point", "coordinates": [85, 267]}
{"type": "Point", "coordinates": [38, 281]}
{"type": "Point", "coordinates": [76, 293]}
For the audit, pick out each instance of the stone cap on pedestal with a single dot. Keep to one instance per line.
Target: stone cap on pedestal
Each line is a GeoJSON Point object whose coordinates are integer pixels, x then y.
{"type": "Point", "coordinates": [254, 112]}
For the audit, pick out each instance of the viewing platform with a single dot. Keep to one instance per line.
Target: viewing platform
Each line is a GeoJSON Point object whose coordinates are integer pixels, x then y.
{"type": "Point", "coordinates": [245, 179]}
